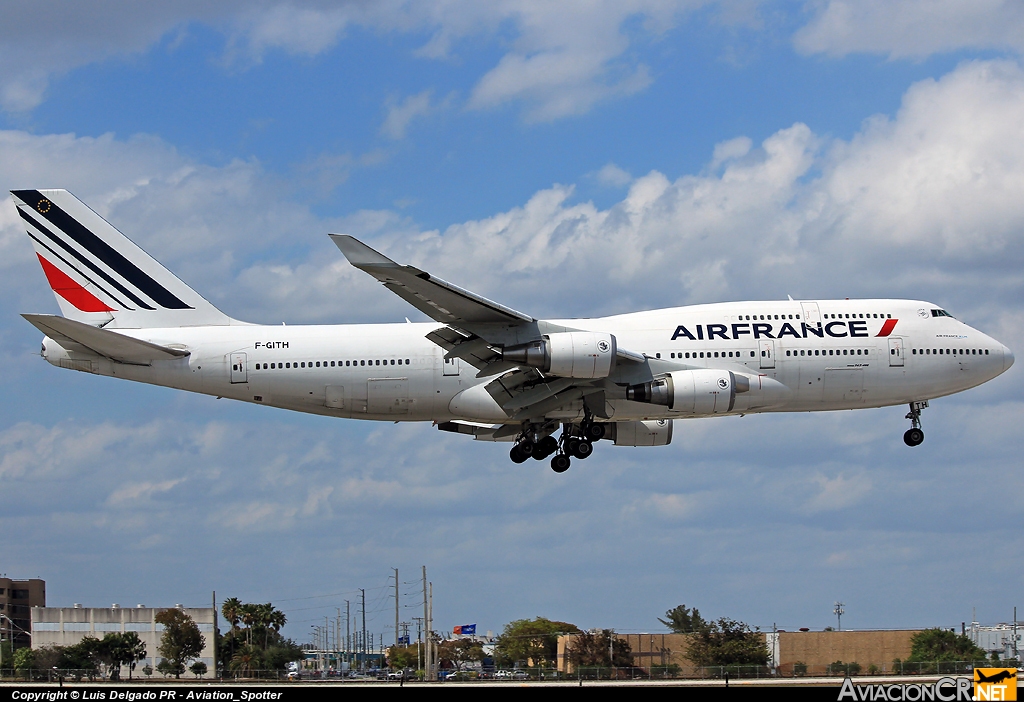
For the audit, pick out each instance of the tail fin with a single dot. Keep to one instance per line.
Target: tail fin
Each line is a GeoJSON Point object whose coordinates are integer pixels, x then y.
{"type": "Point", "coordinates": [99, 275]}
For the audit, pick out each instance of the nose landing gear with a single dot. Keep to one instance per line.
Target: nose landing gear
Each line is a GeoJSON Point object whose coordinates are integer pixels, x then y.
{"type": "Point", "coordinates": [915, 436]}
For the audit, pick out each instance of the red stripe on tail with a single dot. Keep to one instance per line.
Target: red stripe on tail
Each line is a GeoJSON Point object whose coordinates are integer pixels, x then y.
{"type": "Point", "coordinates": [887, 328]}
{"type": "Point", "coordinates": [70, 290]}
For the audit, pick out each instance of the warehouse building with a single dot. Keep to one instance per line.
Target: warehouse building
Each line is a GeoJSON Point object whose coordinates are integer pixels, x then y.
{"type": "Point", "coordinates": [66, 626]}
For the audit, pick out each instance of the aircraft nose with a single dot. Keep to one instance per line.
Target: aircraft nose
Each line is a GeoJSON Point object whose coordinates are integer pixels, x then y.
{"type": "Point", "coordinates": [1007, 358]}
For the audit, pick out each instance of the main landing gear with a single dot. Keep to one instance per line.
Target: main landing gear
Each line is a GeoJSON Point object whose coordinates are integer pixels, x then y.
{"type": "Point", "coordinates": [576, 441]}
{"type": "Point", "coordinates": [914, 436]}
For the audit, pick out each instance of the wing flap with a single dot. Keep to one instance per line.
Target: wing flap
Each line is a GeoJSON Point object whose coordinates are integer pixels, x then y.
{"type": "Point", "coordinates": [112, 345]}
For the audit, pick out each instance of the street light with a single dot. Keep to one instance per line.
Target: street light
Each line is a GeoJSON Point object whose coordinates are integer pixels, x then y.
{"type": "Point", "coordinates": [838, 611]}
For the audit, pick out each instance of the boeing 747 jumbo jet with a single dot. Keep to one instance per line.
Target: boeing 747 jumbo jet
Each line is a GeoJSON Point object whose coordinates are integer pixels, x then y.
{"type": "Point", "coordinates": [487, 370]}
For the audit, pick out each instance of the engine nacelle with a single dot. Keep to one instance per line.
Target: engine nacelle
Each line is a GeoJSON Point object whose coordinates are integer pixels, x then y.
{"type": "Point", "coordinates": [696, 392]}
{"type": "Point", "coordinates": [656, 432]}
{"type": "Point", "coordinates": [705, 392]}
{"type": "Point", "coordinates": [567, 354]}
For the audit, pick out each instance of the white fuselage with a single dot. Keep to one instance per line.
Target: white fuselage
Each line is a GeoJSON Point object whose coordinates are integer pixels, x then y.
{"type": "Point", "coordinates": [828, 354]}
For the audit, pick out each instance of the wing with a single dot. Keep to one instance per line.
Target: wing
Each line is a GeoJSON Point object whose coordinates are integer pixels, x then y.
{"type": "Point", "coordinates": [436, 298]}
{"type": "Point", "coordinates": [477, 329]}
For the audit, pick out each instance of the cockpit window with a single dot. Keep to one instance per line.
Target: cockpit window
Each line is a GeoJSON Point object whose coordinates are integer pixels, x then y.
{"type": "Point", "coordinates": [941, 313]}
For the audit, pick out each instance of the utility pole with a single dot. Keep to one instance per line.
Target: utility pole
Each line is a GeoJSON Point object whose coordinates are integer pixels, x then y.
{"type": "Point", "coordinates": [362, 664]}
{"type": "Point", "coordinates": [430, 635]}
{"type": "Point", "coordinates": [214, 633]}
{"type": "Point", "coordinates": [838, 611]}
{"type": "Point", "coordinates": [419, 642]}
{"type": "Point", "coordinates": [396, 606]}
{"type": "Point", "coordinates": [348, 635]}
{"type": "Point", "coordinates": [1015, 633]}
{"type": "Point", "coordinates": [426, 629]}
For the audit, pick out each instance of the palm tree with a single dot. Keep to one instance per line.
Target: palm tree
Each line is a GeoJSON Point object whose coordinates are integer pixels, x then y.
{"type": "Point", "coordinates": [246, 661]}
{"type": "Point", "coordinates": [249, 614]}
{"type": "Point", "coordinates": [135, 650]}
{"type": "Point", "coordinates": [231, 609]}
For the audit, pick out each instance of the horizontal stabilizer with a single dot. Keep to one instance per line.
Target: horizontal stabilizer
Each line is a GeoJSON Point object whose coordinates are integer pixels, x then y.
{"type": "Point", "coordinates": [115, 346]}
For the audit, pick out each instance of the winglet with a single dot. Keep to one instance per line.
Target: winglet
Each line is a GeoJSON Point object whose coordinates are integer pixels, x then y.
{"type": "Point", "coordinates": [359, 254]}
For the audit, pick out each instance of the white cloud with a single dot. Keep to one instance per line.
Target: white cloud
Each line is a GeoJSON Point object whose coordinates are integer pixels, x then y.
{"type": "Point", "coordinates": [912, 28]}
{"type": "Point", "coordinates": [401, 113]}
{"type": "Point", "coordinates": [838, 492]}
{"type": "Point", "coordinates": [565, 57]}
{"type": "Point", "coordinates": [612, 175]}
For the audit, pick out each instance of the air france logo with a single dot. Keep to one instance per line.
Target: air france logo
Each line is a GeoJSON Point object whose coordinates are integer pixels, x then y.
{"type": "Point", "coordinates": [854, 328]}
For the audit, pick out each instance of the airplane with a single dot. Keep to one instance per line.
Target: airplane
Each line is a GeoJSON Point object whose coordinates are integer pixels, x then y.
{"type": "Point", "coordinates": [486, 370]}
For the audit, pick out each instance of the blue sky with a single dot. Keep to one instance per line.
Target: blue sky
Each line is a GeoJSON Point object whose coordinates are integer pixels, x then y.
{"type": "Point", "coordinates": [566, 159]}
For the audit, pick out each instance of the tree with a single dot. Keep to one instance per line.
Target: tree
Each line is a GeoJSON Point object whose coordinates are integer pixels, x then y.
{"type": "Point", "coordinates": [404, 657]}
{"type": "Point", "coordinates": [590, 650]}
{"type": "Point", "coordinates": [943, 645]}
{"type": "Point", "coordinates": [113, 653]}
{"type": "Point", "coordinates": [727, 642]}
{"type": "Point", "coordinates": [198, 669]}
{"type": "Point", "coordinates": [135, 650]}
{"type": "Point", "coordinates": [24, 659]}
{"type": "Point", "coordinates": [181, 641]}
{"type": "Point", "coordinates": [460, 651]}
{"type": "Point", "coordinates": [231, 609]}
{"type": "Point", "coordinates": [534, 640]}
{"type": "Point", "coordinates": [247, 661]}
{"type": "Point", "coordinates": [683, 620]}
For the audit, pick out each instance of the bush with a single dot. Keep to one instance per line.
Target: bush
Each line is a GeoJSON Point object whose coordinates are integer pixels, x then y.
{"type": "Point", "coordinates": [799, 668]}
{"type": "Point", "coordinates": [840, 668]}
{"type": "Point", "coordinates": [672, 670]}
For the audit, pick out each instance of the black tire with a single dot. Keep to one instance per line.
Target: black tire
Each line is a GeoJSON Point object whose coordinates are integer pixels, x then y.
{"type": "Point", "coordinates": [583, 449]}
{"type": "Point", "coordinates": [516, 456]}
{"type": "Point", "coordinates": [560, 463]}
{"type": "Point", "coordinates": [545, 447]}
{"type": "Point", "coordinates": [913, 437]}
{"type": "Point", "coordinates": [595, 432]}
{"type": "Point", "coordinates": [570, 445]}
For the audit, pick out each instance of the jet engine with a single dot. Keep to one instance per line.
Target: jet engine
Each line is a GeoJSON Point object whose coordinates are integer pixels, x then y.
{"type": "Point", "coordinates": [705, 392]}
{"type": "Point", "coordinates": [656, 432]}
{"type": "Point", "coordinates": [567, 354]}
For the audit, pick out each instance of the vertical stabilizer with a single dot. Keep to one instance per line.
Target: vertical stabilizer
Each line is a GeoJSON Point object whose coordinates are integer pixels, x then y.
{"type": "Point", "coordinates": [99, 275]}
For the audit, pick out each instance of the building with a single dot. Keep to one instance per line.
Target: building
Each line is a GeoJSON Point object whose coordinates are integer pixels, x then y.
{"type": "Point", "coordinates": [790, 652]}
{"type": "Point", "coordinates": [66, 626]}
{"type": "Point", "coordinates": [1002, 639]}
{"type": "Point", "coordinates": [17, 598]}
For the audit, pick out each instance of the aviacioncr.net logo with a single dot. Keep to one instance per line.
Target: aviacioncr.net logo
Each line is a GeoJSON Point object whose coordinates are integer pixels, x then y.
{"type": "Point", "coordinates": [945, 690]}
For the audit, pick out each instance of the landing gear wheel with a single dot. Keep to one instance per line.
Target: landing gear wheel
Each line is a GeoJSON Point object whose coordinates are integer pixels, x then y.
{"type": "Point", "coordinates": [570, 445]}
{"type": "Point", "coordinates": [913, 437]}
{"type": "Point", "coordinates": [560, 463]}
{"type": "Point", "coordinates": [516, 456]}
{"type": "Point", "coordinates": [545, 447]}
{"type": "Point", "coordinates": [583, 449]}
{"type": "Point", "coordinates": [595, 432]}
